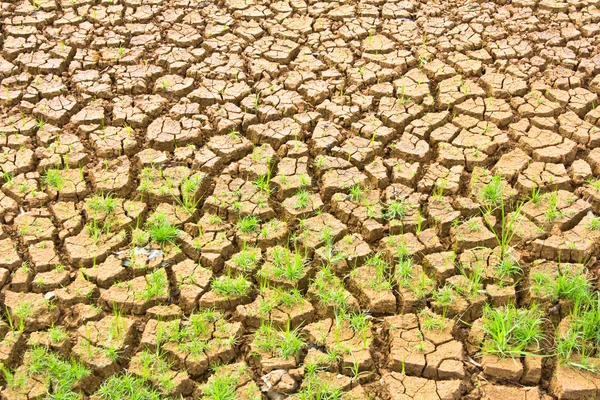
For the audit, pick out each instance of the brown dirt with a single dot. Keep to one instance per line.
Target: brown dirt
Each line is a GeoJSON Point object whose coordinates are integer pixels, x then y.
{"type": "Point", "coordinates": [351, 131]}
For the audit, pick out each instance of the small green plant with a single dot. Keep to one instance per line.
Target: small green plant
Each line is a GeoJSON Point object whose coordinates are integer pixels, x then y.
{"type": "Point", "coordinates": [95, 230]}
{"type": "Point", "coordinates": [474, 225]}
{"type": "Point", "coordinates": [439, 187]}
{"type": "Point", "coordinates": [535, 195]}
{"type": "Point", "coordinates": [127, 386]}
{"type": "Point", "coordinates": [329, 290]}
{"type": "Point", "coordinates": [444, 296]}
{"type": "Point", "coordinates": [571, 283]}
{"type": "Point", "coordinates": [8, 178]}
{"type": "Point", "coordinates": [189, 199]}
{"type": "Point", "coordinates": [45, 366]}
{"type": "Point", "coordinates": [302, 199]}
{"type": "Point", "coordinates": [161, 229]}
{"type": "Point", "coordinates": [57, 334]}
{"type": "Point", "coordinates": [54, 179]}
{"type": "Point", "coordinates": [492, 193]}
{"type": "Point", "coordinates": [263, 182]}
{"type": "Point", "coordinates": [404, 272]}
{"type": "Point", "coordinates": [381, 279]}
{"type": "Point", "coordinates": [215, 219]}
{"type": "Point", "coordinates": [594, 183]}
{"type": "Point", "coordinates": [356, 192]}
{"type": "Point", "coordinates": [316, 387]}
{"type": "Point", "coordinates": [553, 213]}
{"type": "Point", "coordinates": [508, 267]}
{"type": "Point", "coordinates": [156, 285]}
{"type": "Point", "coordinates": [248, 224]}
{"type": "Point", "coordinates": [101, 203]}
{"type": "Point", "coordinates": [507, 222]}
{"type": "Point", "coordinates": [580, 340]}
{"type": "Point", "coordinates": [278, 297]}
{"type": "Point", "coordinates": [285, 344]}
{"type": "Point", "coordinates": [287, 265]}
{"type": "Point", "coordinates": [227, 286]}
{"type": "Point", "coordinates": [21, 313]}
{"type": "Point", "coordinates": [594, 224]}
{"type": "Point", "coordinates": [361, 325]}
{"type": "Point", "coordinates": [223, 384]}
{"type": "Point", "coordinates": [220, 387]}
{"type": "Point", "coordinates": [511, 331]}
{"type": "Point", "coordinates": [156, 369]}
{"type": "Point", "coordinates": [431, 321]}
{"type": "Point", "coordinates": [396, 210]}
{"type": "Point", "coordinates": [247, 259]}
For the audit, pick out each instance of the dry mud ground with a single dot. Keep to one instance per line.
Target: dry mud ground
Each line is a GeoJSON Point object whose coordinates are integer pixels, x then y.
{"type": "Point", "coordinates": [317, 200]}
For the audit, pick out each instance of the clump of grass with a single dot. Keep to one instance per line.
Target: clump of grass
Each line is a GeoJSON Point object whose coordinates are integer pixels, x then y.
{"type": "Point", "coordinates": [44, 365]}
{"type": "Point", "coordinates": [189, 187]}
{"type": "Point", "coordinates": [263, 182]}
{"type": "Point", "coordinates": [581, 338]}
{"type": "Point", "coordinates": [594, 224]}
{"type": "Point", "coordinates": [248, 224]}
{"type": "Point", "coordinates": [360, 322]}
{"type": "Point", "coordinates": [474, 225]}
{"type": "Point", "coordinates": [404, 272]}
{"type": "Point", "coordinates": [594, 183]}
{"type": "Point", "coordinates": [54, 179]}
{"type": "Point", "coordinates": [420, 284]}
{"type": "Point", "coordinates": [103, 203]}
{"type": "Point", "coordinates": [381, 280]}
{"type": "Point", "coordinates": [197, 329]}
{"type": "Point", "coordinates": [127, 386]}
{"type": "Point", "coordinates": [285, 264]}
{"type": "Point", "coordinates": [227, 286]}
{"type": "Point", "coordinates": [284, 343]}
{"type": "Point", "coordinates": [220, 387]}
{"type": "Point", "coordinates": [438, 189]}
{"type": "Point", "coordinates": [444, 296]}
{"type": "Point", "coordinates": [508, 267]}
{"type": "Point", "coordinates": [356, 192]}
{"type": "Point", "coordinates": [571, 283]}
{"type": "Point", "coordinates": [223, 384]}
{"type": "Point", "coordinates": [302, 199]}
{"type": "Point", "coordinates": [279, 297]}
{"type": "Point", "coordinates": [21, 313]}
{"type": "Point", "coordinates": [535, 196]}
{"type": "Point", "coordinates": [161, 229]}
{"type": "Point", "coordinates": [511, 331]}
{"type": "Point", "coordinates": [329, 289]}
{"type": "Point", "coordinates": [553, 213]}
{"type": "Point", "coordinates": [315, 387]}
{"type": "Point", "coordinates": [156, 285]}
{"type": "Point", "coordinates": [431, 321]}
{"type": "Point", "coordinates": [247, 259]}
{"type": "Point", "coordinates": [57, 334]}
{"type": "Point", "coordinates": [156, 369]}
{"type": "Point", "coordinates": [471, 287]}
{"type": "Point", "coordinates": [494, 197]}
{"type": "Point", "coordinates": [396, 210]}
{"type": "Point", "coordinates": [492, 194]}
{"type": "Point", "coordinates": [96, 229]}
{"type": "Point", "coordinates": [8, 178]}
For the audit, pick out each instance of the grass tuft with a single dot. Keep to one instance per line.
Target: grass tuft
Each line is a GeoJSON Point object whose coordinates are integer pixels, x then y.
{"type": "Point", "coordinates": [511, 331]}
{"type": "Point", "coordinates": [161, 230]}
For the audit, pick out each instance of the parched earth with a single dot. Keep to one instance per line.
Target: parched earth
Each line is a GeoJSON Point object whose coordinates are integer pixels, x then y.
{"type": "Point", "coordinates": [246, 199]}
